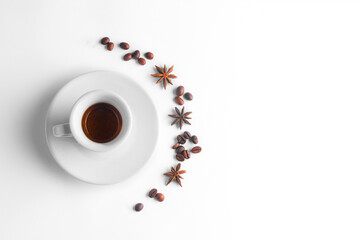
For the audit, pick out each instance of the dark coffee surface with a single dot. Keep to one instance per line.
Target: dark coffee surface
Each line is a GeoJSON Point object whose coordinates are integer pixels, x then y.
{"type": "Point", "coordinates": [101, 122]}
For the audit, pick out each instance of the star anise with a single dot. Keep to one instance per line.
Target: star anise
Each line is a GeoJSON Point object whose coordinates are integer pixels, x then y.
{"type": "Point", "coordinates": [175, 174]}
{"type": "Point", "coordinates": [164, 75]}
{"type": "Point", "coordinates": [180, 117]}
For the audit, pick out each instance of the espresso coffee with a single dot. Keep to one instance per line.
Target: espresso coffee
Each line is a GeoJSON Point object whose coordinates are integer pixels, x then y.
{"type": "Point", "coordinates": [101, 122]}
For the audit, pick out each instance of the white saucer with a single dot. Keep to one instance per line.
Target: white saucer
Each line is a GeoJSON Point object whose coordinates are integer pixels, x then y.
{"type": "Point", "coordinates": [123, 161]}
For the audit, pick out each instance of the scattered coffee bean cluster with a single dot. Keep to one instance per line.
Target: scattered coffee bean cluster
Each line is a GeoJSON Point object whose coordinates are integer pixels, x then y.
{"type": "Point", "coordinates": [181, 152]}
{"type": "Point", "coordinates": [152, 194]}
{"type": "Point", "coordinates": [123, 45]}
{"type": "Point", "coordinates": [158, 196]}
{"type": "Point", "coordinates": [179, 92]}
{"type": "Point", "coordinates": [109, 45]}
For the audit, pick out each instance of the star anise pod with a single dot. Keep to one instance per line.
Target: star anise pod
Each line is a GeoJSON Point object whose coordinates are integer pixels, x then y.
{"type": "Point", "coordinates": [180, 117]}
{"type": "Point", "coordinates": [164, 75]}
{"type": "Point", "coordinates": [175, 174]}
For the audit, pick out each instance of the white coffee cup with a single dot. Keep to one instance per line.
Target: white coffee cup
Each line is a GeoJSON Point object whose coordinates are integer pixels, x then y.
{"type": "Point", "coordinates": [74, 127]}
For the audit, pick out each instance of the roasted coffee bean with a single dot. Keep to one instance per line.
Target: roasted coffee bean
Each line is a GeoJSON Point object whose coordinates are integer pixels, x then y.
{"type": "Point", "coordinates": [142, 61]}
{"type": "Point", "coordinates": [188, 96]}
{"type": "Point", "coordinates": [180, 149]}
{"type": "Point", "coordinates": [127, 57]}
{"type": "Point", "coordinates": [180, 91]}
{"type": "Point", "coordinates": [180, 157]}
{"type": "Point", "coordinates": [194, 139]}
{"type": "Point", "coordinates": [153, 192]}
{"type": "Point", "coordinates": [105, 40]}
{"type": "Point", "coordinates": [136, 55]}
{"type": "Point", "coordinates": [186, 154]}
{"type": "Point", "coordinates": [160, 197]}
{"type": "Point", "coordinates": [179, 100]}
{"type": "Point", "coordinates": [110, 46]}
{"type": "Point", "coordinates": [139, 207]}
{"type": "Point", "coordinates": [149, 55]}
{"type": "Point", "coordinates": [187, 135]}
{"type": "Point", "coordinates": [196, 149]}
{"type": "Point", "coordinates": [124, 45]}
{"type": "Point", "coordinates": [181, 139]}
{"type": "Point", "coordinates": [176, 146]}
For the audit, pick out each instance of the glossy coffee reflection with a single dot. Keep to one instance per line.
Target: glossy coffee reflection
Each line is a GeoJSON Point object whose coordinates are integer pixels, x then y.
{"type": "Point", "coordinates": [101, 122]}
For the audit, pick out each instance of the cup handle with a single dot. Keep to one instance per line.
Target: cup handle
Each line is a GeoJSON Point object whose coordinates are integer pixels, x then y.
{"type": "Point", "coordinates": [62, 130]}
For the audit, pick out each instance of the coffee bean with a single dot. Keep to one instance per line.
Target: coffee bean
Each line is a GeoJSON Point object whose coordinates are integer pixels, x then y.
{"type": "Point", "coordinates": [180, 157]}
{"type": "Point", "coordinates": [142, 61]}
{"type": "Point", "coordinates": [188, 96]}
{"type": "Point", "coordinates": [176, 146]}
{"type": "Point", "coordinates": [124, 45]}
{"type": "Point", "coordinates": [110, 46]}
{"type": "Point", "coordinates": [179, 100]}
{"type": "Point", "coordinates": [136, 55]}
{"type": "Point", "coordinates": [160, 197]}
{"type": "Point", "coordinates": [105, 40]}
{"type": "Point", "coordinates": [180, 149]}
{"type": "Point", "coordinates": [181, 139]}
{"type": "Point", "coordinates": [149, 55]}
{"type": "Point", "coordinates": [194, 139]}
{"type": "Point", "coordinates": [127, 57]}
{"type": "Point", "coordinates": [186, 154]}
{"type": "Point", "coordinates": [187, 135]}
{"type": "Point", "coordinates": [196, 149]}
{"type": "Point", "coordinates": [180, 91]}
{"type": "Point", "coordinates": [139, 207]}
{"type": "Point", "coordinates": [153, 192]}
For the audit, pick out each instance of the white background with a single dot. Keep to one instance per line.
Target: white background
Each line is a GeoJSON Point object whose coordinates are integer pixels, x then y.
{"type": "Point", "coordinates": [276, 109]}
